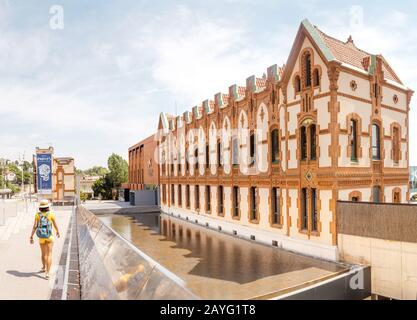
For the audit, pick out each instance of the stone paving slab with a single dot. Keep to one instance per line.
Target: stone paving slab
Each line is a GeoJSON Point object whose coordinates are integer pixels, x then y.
{"type": "Point", "coordinates": [20, 262]}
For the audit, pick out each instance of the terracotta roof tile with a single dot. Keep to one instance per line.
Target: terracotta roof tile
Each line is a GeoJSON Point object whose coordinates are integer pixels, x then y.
{"type": "Point", "coordinates": [241, 91]}
{"type": "Point", "coordinates": [348, 53]}
{"type": "Point", "coordinates": [260, 83]}
{"type": "Point", "coordinates": [344, 51]}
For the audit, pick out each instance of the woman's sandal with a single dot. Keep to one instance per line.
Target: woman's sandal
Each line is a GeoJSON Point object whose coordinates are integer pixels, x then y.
{"type": "Point", "coordinates": [47, 276]}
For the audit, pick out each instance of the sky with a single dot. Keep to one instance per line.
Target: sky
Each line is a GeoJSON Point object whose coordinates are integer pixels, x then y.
{"type": "Point", "coordinates": [95, 82]}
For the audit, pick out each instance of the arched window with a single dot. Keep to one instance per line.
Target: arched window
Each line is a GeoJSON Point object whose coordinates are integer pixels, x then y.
{"type": "Point", "coordinates": [316, 77]}
{"type": "Point", "coordinates": [252, 150]}
{"type": "Point", "coordinates": [307, 69]}
{"type": "Point", "coordinates": [235, 150]}
{"type": "Point", "coordinates": [196, 161]}
{"type": "Point", "coordinates": [274, 146]}
{"type": "Point", "coordinates": [179, 163]}
{"type": "Point", "coordinates": [312, 142]}
{"type": "Point", "coordinates": [187, 163]}
{"type": "Point", "coordinates": [354, 140]}
{"type": "Point", "coordinates": [207, 156]}
{"type": "Point", "coordinates": [396, 150]}
{"type": "Point", "coordinates": [303, 142]}
{"type": "Point", "coordinates": [219, 154]}
{"type": "Point", "coordinates": [297, 84]}
{"type": "Point", "coordinates": [396, 195]}
{"type": "Point", "coordinates": [376, 142]}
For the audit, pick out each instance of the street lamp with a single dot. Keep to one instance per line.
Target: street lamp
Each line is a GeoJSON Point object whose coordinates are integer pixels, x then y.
{"type": "Point", "coordinates": [30, 170]}
{"type": "Point", "coordinates": [23, 175]}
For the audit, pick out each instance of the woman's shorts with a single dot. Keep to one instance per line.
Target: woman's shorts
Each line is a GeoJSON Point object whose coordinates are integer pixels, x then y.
{"type": "Point", "coordinates": [48, 240]}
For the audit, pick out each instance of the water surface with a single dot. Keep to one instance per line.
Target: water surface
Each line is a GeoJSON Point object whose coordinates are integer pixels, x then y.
{"type": "Point", "coordinates": [216, 265]}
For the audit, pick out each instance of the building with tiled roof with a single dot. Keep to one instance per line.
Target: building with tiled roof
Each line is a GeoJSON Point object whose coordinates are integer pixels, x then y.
{"type": "Point", "coordinates": [270, 160]}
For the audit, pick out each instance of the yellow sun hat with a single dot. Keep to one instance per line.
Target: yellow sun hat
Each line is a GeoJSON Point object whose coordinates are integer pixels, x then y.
{"type": "Point", "coordinates": [44, 204]}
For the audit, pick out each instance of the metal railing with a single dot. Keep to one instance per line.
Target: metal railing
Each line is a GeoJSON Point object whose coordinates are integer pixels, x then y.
{"type": "Point", "coordinates": [11, 207]}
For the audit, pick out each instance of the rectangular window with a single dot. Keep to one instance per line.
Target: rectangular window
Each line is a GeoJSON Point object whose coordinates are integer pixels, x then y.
{"type": "Point", "coordinates": [303, 143]}
{"type": "Point", "coordinates": [207, 156]}
{"type": "Point", "coordinates": [353, 141]}
{"type": "Point", "coordinates": [236, 201]}
{"type": "Point", "coordinates": [252, 150]}
{"type": "Point", "coordinates": [196, 156]}
{"type": "Point", "coordinates": [219, 154]}
{"type": "Point", "coordinates": [172, 194]}
{"type": "Point", "coordinates": [220, 200]}
{"type": "Point", "coordinates": [314, 210]}
{"type": "Point", "coordinates": [376, 142]}
{"type": "Point", "coordinates": [164, 200]}
{"type": "Point", "coordinates": [253, 204]}
{"type": "Point", "coordinates": [396, 145]}
{"type": "Point", "coordinates": [179, 164]}
{"type": "Point", "coordinates": [276, 206]}
{"type": "Point", "coordinates": [313, 142]}
{"type": "Point", "coordinates": [274, 146]}
{"type": "Point", "coordinates": [376, 194]}
{"type": "Point", "coordinates": [179, 195]}
{"type": "Point", "coordinates": [187, 196]}
{"type": "Point", "coordinates": [304, 209]}
{"type": "Point", "coordinates": [208, 199]}
{"type": "Point", "coordinates": [197, 197]}
{"type": "Point", "coordinates": [235, 150]}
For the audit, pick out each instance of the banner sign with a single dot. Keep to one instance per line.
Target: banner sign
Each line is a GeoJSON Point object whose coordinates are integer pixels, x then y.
{"type": "Point", "coordinates": [44, 173]}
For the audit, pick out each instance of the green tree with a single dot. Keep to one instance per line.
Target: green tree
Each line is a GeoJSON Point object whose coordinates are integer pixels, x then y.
{"type": "Point", "coordinates": [17, 170]}
{"type": "Point", "coordinates": [118, 170]}
{"type": "Point", "coordinates": [96, 171]}
{"type": "Point", "coordinates": [103, 187]}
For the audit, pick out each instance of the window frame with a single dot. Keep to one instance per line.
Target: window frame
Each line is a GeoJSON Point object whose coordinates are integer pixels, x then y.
{"type": "Point", "coordinates": [208, 199]}
{"type": "Point", "coordinates": [275, 146]}
{"type": "Point", "coordinates": [253, 205]}
{"type": "Point", "coordinates": [220, 201]}
{"type": "Point", "coordinates": [276, 206]}
{"type": "Point", "coordinates": [235, 202]}
{"type": "Point", "coordinates": [197, 197]}
{"type": "Point", "coordinates": [376, 142]}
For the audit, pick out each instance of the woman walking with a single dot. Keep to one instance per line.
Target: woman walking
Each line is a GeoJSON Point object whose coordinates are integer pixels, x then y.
{"type": "Point", "coordinates": [44, 220]}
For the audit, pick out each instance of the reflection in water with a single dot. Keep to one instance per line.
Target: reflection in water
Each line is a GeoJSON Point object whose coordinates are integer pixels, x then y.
{"type": "Point", "coordinates": [208, 260]}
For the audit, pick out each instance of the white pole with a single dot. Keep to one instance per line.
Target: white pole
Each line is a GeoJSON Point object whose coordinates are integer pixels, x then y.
{"type": "Point", "coordinates": [23, 181]}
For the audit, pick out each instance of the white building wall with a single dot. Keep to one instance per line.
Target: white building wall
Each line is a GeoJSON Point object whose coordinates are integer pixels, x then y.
{"type": "Point", "coordinates": [388, 193]}
{"type": "Point", "coordinates": [364, 111]}
{"type": "Point", "coordinates": [366, 194]}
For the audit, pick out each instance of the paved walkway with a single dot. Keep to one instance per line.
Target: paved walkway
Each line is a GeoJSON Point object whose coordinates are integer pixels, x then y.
{"type": "Point", "coordinates": [20, 262]}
